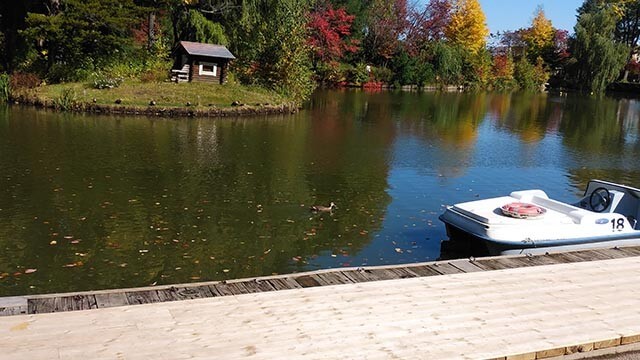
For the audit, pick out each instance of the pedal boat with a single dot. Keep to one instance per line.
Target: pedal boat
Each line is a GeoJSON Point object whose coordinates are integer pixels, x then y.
{"type": "Point", "coordinates": [530, 222]}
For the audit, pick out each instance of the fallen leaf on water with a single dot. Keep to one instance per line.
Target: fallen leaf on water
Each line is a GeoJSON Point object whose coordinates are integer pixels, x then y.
{"type": "Point", "coordinates": [267, 251]}
{"type": "Point", "coordinates": [53, 242]}
{"type": "Point", "coordinates": [30, 271]}
{"type": "Point", "coordinates": [226, 270]}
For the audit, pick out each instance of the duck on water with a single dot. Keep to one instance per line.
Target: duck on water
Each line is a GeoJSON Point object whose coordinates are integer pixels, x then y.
{"type": "Point", "coordinates": [320, 208]}
{"type": "Point", "coordinates": [529, 221]}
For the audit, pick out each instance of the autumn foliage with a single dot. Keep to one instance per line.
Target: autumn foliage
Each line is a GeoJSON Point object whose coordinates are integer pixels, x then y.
{"type": "Point", "coordinates": [329, 31]}
{"type": "Point", "coordinates": [468, 25]}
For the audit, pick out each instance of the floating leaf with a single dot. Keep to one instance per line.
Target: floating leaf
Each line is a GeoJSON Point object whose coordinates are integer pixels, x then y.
{"type": "Point", "coordinates": [30, 271]}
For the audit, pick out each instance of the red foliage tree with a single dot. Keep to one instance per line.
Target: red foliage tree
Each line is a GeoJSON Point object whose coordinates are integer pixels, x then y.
{"type": "Point", "coordinates": [427, 25]}
{"type": "Point", "coordinates": [387, 24]}
{"type": "Point", "coordinates": [329, 31]}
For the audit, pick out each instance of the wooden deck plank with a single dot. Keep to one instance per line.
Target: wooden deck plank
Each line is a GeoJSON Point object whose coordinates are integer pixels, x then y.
{"type": "Point", "coordinates": [43, 305]}
{"type": "Point", "coordinates": [382, 274]}
{"type": "Point", "coordinates": [445, 268]}
{"type": "Point", "coordinates": [465, 315]}
{"type": "Point", "coordinates": [331, 278]}
{"type": "Point", "coordinates": [423, 270]}
{"type": "Point", "coordinates": [142, 297]}
{"type": "Point", "coordinates": [111, 300]}
{"type": "Point", "coordinates": [306, 281]}
{"type": "Point", "coordinates": [283, 284]}
{"type": "Point", "coordinates": [612, 253]}
{"type": "Point", "coordinates": [465, 265]}
{"type": "Point", "coordinates": [357, 276]}
{"type": "Point", "coordinates": [220, 289]}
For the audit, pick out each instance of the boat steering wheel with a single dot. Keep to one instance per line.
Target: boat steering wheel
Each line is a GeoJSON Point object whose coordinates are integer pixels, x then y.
{"type": "Point", "coordinates": [599, 199]}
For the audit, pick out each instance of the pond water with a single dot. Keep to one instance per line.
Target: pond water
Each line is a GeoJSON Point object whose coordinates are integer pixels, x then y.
{"type": "Point", "coordinates": [97, 202]}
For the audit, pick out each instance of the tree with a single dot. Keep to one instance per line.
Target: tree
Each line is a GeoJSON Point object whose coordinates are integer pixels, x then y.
{"type": "Point", "coordinates": [427, 25]}
{"type": "Point", "coordinates": [329, 31]}
{"type": "Point", "coordinates": [539, 37]}
{"type": "Point", "coordinates": [600, 58]}
{"type": "Point", "coordinates": [194, 26]}
{"type": "Point", "coordinates": [84, 34]}
{"type": "Point", "coordinates": [468, 27]}
{"type": "Point", "coordinates": [387, 23]}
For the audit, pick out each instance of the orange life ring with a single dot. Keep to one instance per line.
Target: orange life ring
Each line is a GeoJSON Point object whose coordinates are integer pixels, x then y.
{"type": "Point", "coordinates": [522, 210]}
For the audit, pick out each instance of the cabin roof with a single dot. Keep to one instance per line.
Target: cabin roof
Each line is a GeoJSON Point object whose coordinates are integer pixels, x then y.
{"type": "Point", "coordinates": [201, 49]}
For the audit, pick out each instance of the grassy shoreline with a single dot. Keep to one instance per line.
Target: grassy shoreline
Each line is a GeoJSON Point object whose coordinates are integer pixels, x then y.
{"type": "Point", "coordinates": [158, 98]}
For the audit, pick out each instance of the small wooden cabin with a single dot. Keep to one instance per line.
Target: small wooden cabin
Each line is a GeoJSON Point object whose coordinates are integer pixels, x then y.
{"type": "Point", "coordinates": [201, 62]}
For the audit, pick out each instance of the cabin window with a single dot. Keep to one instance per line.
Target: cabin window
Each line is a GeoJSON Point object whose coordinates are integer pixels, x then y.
{"type": "Point", "coordinates": [209, 69]}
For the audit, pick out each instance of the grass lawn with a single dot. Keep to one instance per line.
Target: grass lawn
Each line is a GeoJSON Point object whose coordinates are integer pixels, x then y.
{"type": "Point", "coordinates": [165, 94]}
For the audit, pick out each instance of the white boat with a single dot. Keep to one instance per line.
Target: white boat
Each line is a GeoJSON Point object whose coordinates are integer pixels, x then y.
{"type": "Point", "coordinates": [530, 222]}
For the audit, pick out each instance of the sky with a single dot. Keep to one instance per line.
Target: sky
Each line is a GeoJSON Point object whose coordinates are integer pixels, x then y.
{"type": "Point", "coordinates": [515, 14]}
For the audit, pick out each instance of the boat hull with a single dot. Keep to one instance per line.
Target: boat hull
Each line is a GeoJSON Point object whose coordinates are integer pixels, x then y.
{"type": "Point", "coordinates": [500, 247]}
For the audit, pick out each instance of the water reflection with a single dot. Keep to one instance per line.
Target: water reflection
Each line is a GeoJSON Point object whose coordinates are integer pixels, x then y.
{"type": "Point", "coordinates": [102, 202]}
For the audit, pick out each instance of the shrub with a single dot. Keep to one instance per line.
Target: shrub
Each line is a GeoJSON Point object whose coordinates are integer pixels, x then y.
{"type": "Point", "coordinates": [358, 74]}
{"type": "Point", "coordinates": [4, 87]}
{"type": "Point", "coordinates": [67, 99]}
{"type": "Point", "coordinates": [383, 74]}
{"type": "Point", "coordinates": [21, 80]}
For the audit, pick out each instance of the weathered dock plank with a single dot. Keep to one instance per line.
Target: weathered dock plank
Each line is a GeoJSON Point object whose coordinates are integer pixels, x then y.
{"type": "Point", "coordinates": [328, 277]}
{"type": "Point", "coordinates": [106, 300]}
{"type": "Point", "coordinates": [465, 265]}
{"type": "Point", "coordinates": [142, 297]}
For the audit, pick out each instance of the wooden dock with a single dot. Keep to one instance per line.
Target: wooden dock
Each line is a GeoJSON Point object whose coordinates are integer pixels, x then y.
{"type": "Point", "coordinates": [38, 304]}
{"type": "Point", "coordinates": [520, 307]}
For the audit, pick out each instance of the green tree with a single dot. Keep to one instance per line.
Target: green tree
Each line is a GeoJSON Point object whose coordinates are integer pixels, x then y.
{"type": "Point", "coordinates": [83, 35]}
{"type": "Point", "coordinates": [194, 26]}
{"type": "Point", "coordinates": [447, 62]}
{"type": "Point", "coordinates": [599, 57]}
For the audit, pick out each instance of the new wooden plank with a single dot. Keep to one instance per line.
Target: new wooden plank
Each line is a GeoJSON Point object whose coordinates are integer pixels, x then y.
{"type": "Point", "coordinates": [111, 300]}
{"type": "Point", "coordinates": [142, 297]}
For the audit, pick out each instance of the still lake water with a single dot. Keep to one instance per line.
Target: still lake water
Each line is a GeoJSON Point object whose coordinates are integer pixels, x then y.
{"type": "Point", "coordinates": [97, 202]}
